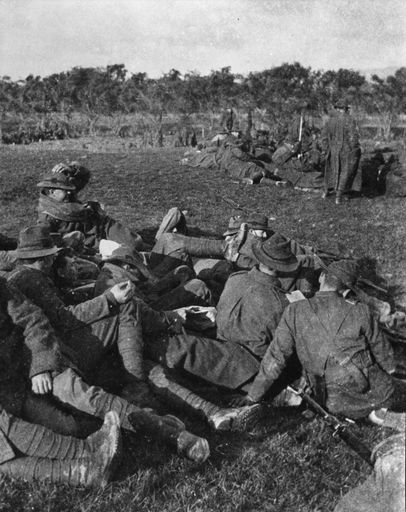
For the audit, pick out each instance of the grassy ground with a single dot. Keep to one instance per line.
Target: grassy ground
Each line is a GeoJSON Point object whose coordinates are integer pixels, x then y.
{"type": "Point", "coordinates": [287, 463]}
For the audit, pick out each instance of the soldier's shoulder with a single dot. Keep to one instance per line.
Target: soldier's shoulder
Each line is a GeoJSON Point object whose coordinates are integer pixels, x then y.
{"type": "Point", "coordinates": [238, 274]}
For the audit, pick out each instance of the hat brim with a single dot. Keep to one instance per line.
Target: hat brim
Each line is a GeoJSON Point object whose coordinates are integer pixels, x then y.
{"type": "Point", "coordinates": [289, 265]}
{"type": "Point", "coordinates": [46, 184]}
{"type": "Point", "coordinates": [36, 253]}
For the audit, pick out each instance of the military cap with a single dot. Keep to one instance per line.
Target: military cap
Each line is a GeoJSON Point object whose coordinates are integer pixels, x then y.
{"type": "Point", "coordinates": [57, 180]}
{"type": "Point", "coordinates": [258, 221]}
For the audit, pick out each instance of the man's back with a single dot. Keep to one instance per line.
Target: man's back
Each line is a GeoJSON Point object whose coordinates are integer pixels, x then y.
{"type": "Point", "coordinates": [249, 309]}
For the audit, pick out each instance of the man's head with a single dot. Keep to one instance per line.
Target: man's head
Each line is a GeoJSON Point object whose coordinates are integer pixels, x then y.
{"type": "Point", "coordinates": [78, 174]}
{"type": "Point", "coordinates": [258, 226]}
{"type": "Point", "coordinates": [57, 186]}
{"type": "Point", "coordinates": [36, 246]}
{"type": "Point", "coordinates": [125, 258]}
{"type": "Point", "coordinates": [339, 275]}
{"type": "Point", "coordinates": [274, 255]}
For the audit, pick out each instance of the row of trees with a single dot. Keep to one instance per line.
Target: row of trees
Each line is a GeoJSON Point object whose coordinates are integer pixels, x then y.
{"type": "Point", "coordinates": [279, 92]}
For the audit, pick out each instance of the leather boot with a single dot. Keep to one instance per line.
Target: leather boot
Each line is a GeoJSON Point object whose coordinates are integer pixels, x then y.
{"type": "Point", "coordinates": [233, 419]}
{"type": "Point", "coordinates": [170, 430]}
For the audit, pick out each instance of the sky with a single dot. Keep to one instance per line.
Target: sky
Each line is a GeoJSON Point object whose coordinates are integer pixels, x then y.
{"type": "Point", "coordinates": [42, 37]}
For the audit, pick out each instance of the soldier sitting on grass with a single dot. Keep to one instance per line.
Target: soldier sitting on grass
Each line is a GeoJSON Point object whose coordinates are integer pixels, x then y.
{"type": "Point", "coordinates": [29, 349]}
{"type": "Point", "coordinates": [345, 357]}
{"type": "Point", "coordinates": [61, 211]}
{"type": "Point", "coordinates": [87, 333]}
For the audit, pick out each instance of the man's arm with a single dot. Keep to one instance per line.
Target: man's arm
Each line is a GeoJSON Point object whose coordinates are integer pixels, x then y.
{"type": "Point", "coordinates": [39, 337]}
{"type": "Point", "coordinates": [42, 292]}
{"type": "Point", "coordinates": [379, 344]}
{"type": "Point", "coordinates": [275, 359]}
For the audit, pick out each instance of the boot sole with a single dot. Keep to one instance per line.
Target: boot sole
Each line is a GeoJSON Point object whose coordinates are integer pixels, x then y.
{"type": "Point", "coordinates": [247, 419]}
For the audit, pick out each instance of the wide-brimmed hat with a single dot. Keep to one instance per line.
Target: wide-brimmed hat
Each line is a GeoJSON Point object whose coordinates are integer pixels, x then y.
{"type": "Point", "coordinates": [124, 254]}
{"type": "Point", "coordinates": [35, 242]}
{"type": "Point", "coordinates": [233, 225]}
{"type": "Point", "coordinates": [57, 180]}
{"type": "Point", "coordinates": [258, 221]}
{"type": "Point", "coordinates": [345, 271]}
{"type": "Point", "coordinates": [276, 253]}
{"type": "Point", "coordinates": [79, 174]}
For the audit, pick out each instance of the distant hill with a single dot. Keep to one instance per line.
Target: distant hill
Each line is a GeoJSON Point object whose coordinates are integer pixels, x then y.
{"type": "Point", "coordinates": [381, 72]}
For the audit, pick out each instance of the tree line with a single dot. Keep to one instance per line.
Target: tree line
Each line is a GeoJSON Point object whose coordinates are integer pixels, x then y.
{"type": "Point", "coordinates": [279, 92]}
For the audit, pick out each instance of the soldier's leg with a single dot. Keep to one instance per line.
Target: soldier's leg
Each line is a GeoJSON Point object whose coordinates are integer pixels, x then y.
{"type": "Point", "coordinates": [223, 364]}
{"type": "Point", "coordinates": [54, 471]}
{"type": "Point", "coordinates": [64, 460]}
{"type": "Point", "coordinates": [192, 293]}
{"type": "Point", "coordinates": [71, 389]}
{"type": "Point", "coordinates": [237, 419]}
{"type": "Point", "coordinates": [38, 409]}
{"type": "Point", "coordinates": [38, 441]}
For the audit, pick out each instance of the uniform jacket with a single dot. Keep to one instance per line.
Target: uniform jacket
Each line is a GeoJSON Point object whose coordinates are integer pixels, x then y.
{"type": "Point", "coordinates": [87, 330]}
{"type": "Point", "coordinates": [338, 341]}
{"type": "Point", "coordinates": [152, 321]}
{"type": "Point", "coordinates": [249, 310]}
{"type": "Point", "coordinates": [28, 345]}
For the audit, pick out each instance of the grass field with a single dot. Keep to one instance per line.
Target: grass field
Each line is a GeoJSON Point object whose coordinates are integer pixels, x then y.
{"type": "Point", "coordinates": [287, 463]}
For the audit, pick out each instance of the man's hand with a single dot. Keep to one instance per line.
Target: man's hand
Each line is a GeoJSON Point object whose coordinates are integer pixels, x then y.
{"type": "Point", "coordinates": [41, 384]}
{"type": "Point", "coordinates": [175, 322]}
{"type": "Point", "coordinates": [123, 292]}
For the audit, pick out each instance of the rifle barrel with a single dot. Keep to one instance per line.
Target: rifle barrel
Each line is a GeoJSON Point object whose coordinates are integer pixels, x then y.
{"type": "Point", "coordinates": [339, 427]}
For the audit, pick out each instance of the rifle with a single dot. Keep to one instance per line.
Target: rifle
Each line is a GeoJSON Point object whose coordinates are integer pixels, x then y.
{"type": "Point", "coordinates": [321, 253]}
{"type": "Point", "coordinates": [235, 205]}
{"type": "Point", "coordinates": [340, 427]}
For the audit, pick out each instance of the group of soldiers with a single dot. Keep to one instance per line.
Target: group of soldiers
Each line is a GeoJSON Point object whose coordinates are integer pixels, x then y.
{"type": "Point", "coordinates": [94, 323]}
{"type": "Point", "coordinates": [305, 159]}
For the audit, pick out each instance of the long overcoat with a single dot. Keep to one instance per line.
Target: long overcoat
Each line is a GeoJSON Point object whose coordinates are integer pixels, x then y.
{"type": "Point", "coordinates": [340, 138]}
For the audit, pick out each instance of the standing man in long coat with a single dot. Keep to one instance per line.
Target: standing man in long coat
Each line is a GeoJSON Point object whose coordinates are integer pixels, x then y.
{"type": "Point", "coordinates": [340, 138]}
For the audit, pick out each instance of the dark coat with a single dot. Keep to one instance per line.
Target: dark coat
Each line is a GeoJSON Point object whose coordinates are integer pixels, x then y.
{"type": "Point", "coordinates": [28, 346]}
{"type": "Point", "coordinates": [339, 342]}
{"type": "Point", "coordinates": [88, 218]}
{"type": "Point", "coordinates": [340, 139]}
{"type": "Point", "coordinates": [87, 330]}
{"type": "Point", "coordinates": [249, 310]}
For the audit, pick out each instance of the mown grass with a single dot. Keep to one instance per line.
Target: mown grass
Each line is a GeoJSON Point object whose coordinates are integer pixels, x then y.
{"type": "Point", "coordinates": [287, 463]}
